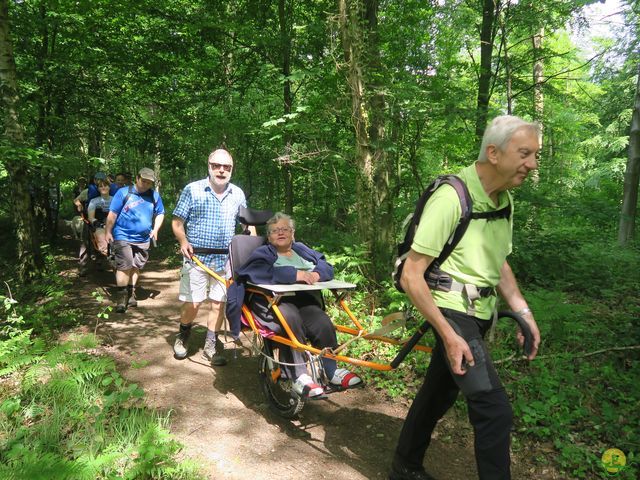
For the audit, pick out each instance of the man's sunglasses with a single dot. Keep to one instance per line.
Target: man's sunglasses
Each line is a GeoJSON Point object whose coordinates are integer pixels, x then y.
{"type": "Point", "coordinates": [218, 166]}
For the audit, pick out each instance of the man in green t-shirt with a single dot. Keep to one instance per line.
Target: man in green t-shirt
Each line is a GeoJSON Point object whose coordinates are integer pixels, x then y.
{"type": "Point", "coordinates": [460, 360]}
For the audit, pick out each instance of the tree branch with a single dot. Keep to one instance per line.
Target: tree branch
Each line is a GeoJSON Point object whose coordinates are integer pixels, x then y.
{"type": "Point", "coordinates": [550, 77]}
{"type": "Point", "coordinates": [581, 355]}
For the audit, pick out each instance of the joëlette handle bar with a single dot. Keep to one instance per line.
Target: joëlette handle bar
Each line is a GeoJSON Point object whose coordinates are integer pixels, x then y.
{"type": "Point", "coordinates": [424, 328]}
{"type": "Point", "coordinates": [527, 347]}
{"type": "Point", "coordinates": [412, 342]}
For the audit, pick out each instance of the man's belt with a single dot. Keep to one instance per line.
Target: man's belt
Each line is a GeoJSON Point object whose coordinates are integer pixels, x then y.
{"type": "Point", "coordinates": [445, 283]}
{"type": "Point", "coordinates": [206, 251]}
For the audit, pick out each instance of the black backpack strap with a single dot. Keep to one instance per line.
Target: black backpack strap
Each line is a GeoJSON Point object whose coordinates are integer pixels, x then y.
{"type": "Point", "coordinates": [153, 199]}
{"type": "Point", "coordinates": [504, 212]}
{"type": "Point", "coordinates": [127, 196]}
{"type": "Point", "coordinates": [465, 216]}
{"type": "Point", "coordinates": [466, 213]}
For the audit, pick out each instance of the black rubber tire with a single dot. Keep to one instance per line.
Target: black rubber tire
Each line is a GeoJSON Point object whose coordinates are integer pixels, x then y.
{"type": "Point", "coordinates": [276, 390]}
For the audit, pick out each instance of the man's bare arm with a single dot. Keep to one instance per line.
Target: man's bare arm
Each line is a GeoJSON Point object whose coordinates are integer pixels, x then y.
{"type": "Point", "coordinates": [177, 225]}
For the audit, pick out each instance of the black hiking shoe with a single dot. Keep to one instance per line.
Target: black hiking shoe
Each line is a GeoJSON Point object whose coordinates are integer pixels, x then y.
{"type": "Point", "coordinates": [121, 306]}
{"type": "Point", "coordinates": [404, 473]}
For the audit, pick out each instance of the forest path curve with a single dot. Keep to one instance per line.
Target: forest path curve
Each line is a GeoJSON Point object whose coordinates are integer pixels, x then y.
{"type": "Point", "coordinates": [222, 418]}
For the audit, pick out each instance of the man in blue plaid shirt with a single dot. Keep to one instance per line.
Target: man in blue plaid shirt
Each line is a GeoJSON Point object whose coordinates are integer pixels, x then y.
{"type": "Point", "coordinates": [204, 221]}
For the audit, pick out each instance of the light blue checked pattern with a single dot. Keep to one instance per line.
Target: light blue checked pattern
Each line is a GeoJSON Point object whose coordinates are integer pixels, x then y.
{"type": "Point", "coordinates": [210, 222]}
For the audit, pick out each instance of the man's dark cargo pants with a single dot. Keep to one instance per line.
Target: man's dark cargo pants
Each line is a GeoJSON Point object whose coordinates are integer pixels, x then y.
{"type": "Point", "coordinates": [490, 413]}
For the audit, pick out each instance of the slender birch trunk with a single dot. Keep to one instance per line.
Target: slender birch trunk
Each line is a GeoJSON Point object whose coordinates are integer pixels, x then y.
{"type": "Point", "coordinates": [29, 258]}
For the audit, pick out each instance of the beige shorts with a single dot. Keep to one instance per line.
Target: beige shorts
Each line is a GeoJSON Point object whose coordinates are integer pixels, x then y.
{"type": "Point", "coordinates": [196, 285]}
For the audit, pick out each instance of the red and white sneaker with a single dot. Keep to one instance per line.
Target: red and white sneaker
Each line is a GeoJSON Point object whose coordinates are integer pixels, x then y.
{"type": "Point", "coordinates": [306, 387]}
{"type": "Point", "coordinates": [345, 379]}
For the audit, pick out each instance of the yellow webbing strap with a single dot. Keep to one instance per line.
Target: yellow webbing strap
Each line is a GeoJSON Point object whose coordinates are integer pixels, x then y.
{"type": "Point", "coordinates": [197, 261]}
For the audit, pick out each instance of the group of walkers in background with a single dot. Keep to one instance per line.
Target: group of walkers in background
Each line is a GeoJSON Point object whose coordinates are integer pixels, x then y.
{"type": "Point", "coordinates": [92, 203]}
{"type": "Point", "coordinates": [121, 219]}
{"type": "Point", "coordinates": [205, 219]}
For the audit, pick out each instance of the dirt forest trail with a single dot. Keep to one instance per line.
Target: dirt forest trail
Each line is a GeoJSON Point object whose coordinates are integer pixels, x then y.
{"type": "Point", "coordinates": [222, 418]}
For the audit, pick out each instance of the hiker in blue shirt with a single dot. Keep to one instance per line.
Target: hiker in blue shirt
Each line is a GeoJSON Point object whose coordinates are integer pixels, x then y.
{"type": "Point", "coordinates": [135, 216]}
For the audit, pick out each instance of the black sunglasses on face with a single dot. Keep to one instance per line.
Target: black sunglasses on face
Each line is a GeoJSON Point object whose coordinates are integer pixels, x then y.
{"type": "Point", "coordinates": [218, 166]}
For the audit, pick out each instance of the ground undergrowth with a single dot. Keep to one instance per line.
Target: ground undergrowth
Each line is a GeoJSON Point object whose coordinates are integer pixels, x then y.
{"type": "Point", "coordinates": [65, 412]}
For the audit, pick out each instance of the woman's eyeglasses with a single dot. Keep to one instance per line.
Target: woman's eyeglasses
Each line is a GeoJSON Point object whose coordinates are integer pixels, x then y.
{"type": "Point", "coordinates": [281, 230]}
{"type": "Point", "coordinates": [218, 166]}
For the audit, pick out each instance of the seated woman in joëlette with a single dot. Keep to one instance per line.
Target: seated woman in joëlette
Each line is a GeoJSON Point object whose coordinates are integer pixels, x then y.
{"type": "Point", "coordinates": [284, 261]}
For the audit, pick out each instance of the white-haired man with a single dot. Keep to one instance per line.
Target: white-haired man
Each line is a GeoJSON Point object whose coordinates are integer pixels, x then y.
{"type": "Point", "coordinates": [460, 360]}
{"type": "Point", "coordinates": [204, 222]}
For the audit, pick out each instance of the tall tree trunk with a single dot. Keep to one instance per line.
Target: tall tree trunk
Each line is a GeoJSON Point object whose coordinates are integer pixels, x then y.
{"type": "Point", "coordinates": [358, 25]}
{"type": "Point", "coordinates": [46, 202]}
{"type": "Point", "coordinates": [44, 104]}
{"type": "Point", "coordinates": [538, 96]}
{"type": "Point", "coordinates": [30, 262]}
{"type": "Point", "coordinates": [508, 77]}
{"type": "Point", "coordinates": [631, 175]}
{"type": "Point", "coordinates": [487, 37]}
{"type": "Point", "coordinates": [382, 231]}
{"type": "Point", "coordinates": [157, 165]}
{"type": "Point", "coordinates": [353, 44]}
{"type": "Point", "coordinates": [285, 48]}
{"type": "Point", "coordinates": [538, 80]}
{"type": "Point", "coordinates": [94, 149]}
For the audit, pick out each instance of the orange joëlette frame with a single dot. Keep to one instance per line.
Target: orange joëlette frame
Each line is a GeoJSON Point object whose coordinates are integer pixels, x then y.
{"type": "Point", "coordinates": [291, 339]}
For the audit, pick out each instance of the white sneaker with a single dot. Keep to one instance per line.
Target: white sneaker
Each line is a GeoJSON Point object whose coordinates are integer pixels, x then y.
{"type": "Point", "coordinates": [306, 387]}
{"type": "Point", "coordinates": [345, 379]}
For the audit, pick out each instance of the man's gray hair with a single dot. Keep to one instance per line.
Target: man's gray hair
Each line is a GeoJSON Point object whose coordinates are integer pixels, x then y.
{"type": "Point", "coordinates": [278, 217]}
{"type": "Point", "coordinates": [220, 152]}
{"type": "Point", "coordinates": [500, 131]}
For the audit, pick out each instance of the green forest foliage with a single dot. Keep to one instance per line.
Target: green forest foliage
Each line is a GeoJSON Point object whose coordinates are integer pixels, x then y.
{"type": "Point", "coordinates": [116, 85]}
